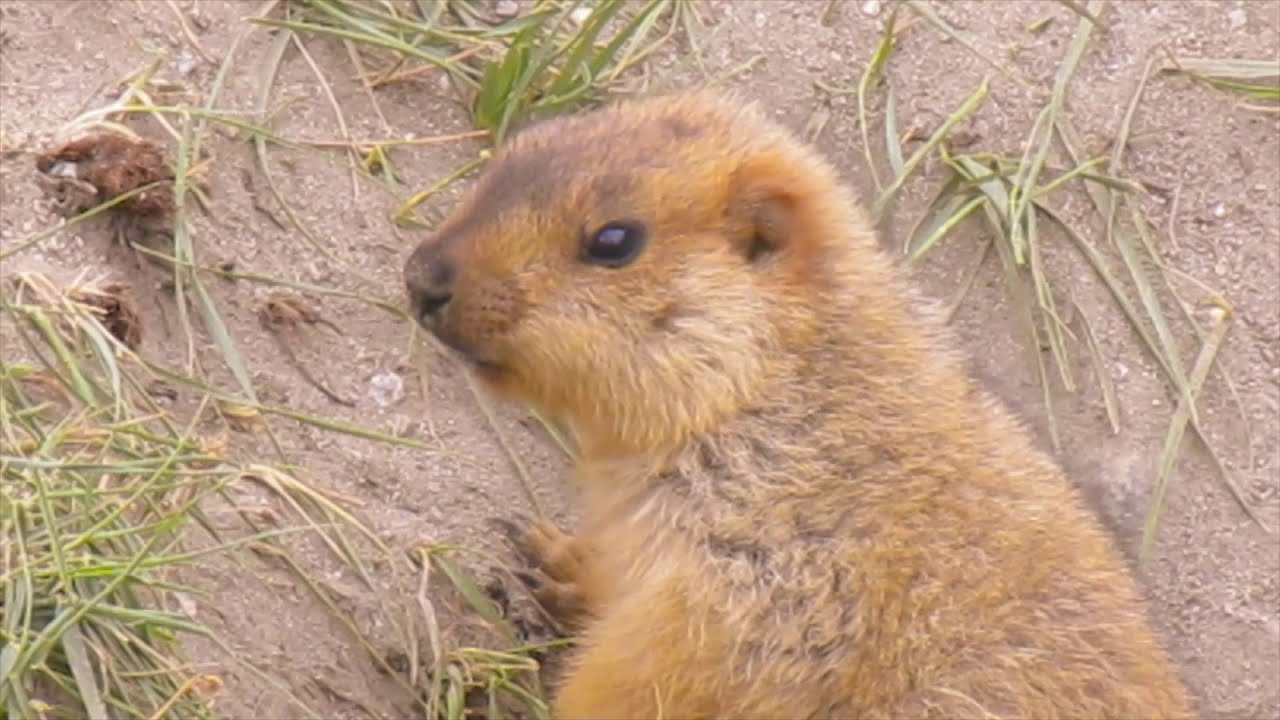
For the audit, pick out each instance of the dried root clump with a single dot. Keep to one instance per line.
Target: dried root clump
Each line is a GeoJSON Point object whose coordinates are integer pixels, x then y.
{"type": "Point", "coordinates": [103, 164]}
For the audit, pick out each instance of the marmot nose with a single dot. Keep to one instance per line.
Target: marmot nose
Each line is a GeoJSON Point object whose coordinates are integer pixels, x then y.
{"type": "Point", "coordinates": [429, 279]}
{"type": "Point", "coordinates": [426, 303]}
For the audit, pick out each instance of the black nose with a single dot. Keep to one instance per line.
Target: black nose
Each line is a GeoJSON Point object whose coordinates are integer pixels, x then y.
{"type": "Point", "coordinates": [426, 305]}
{"type": "Point", "coordinates": [429, 279]}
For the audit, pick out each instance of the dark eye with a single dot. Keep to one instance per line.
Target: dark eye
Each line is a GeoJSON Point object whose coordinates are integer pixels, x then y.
{"type": "Point", "coordinates": [615, 244]}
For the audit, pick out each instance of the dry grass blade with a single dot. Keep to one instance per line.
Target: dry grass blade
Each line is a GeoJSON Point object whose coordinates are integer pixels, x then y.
{"type": "Point", "coordinates": [925, 11]}
{"type": "Point", "coordinates": [1178, 426]}
{"type": "Point", "coordinates": [1107, 199]}
{"type": "Point", "coordinates": [270, 70]}
{"type": "Point", "coordinates": [1152, 346]}
{"type": "Point", "coordinates": [874, 74]}
{"type": "Point", "coordinates": [1140, 266]}
{"type": "Point", "coordinates": [980, 257]}
{"type": "Point", "coordinates": [1023, 298]}
{"type": "Point", "coordinates": [633, 53]}
{"type": "Point", "coordinates": [1020, 223]}
{"type": "Point", "coordinates": [184, 250]}
{"type": "Point", "coordinates": [1109, 398]}
{"type": "Point", "coordinates": [558, 435]}
{"type": "Point", "coordinates": [548, 59]}
{"type": "Point", "coordinates": [480, 604]}
{"type": "Point", "coordinates": [970, 104]}
{"type": "Point", "coordinates": [505, 682]}
{"type": "Point", "coordinates": [73, 644]}
{"type": "Point", "coordinates": [1254, 79]}
{"type": "Point", "coordinates": [404, 213]}
{"type": "Point", "coordinates": [308, 503]}
{"type": "Point", "coordinates": [1076, 8]}
{"type": "Point", "coordinates": [1186, 392]}
{"type": "Point", "coordinates": [366, 38]}
{"type": "Point", "coordinates": [893, 143]}
{"type": "Point", "coordinates": [972, 186]}
{"type": "Point", "coordinates": [338, 115]}
{"type": "Point", "coordinates": [1042, 133]}
{"type": "Point", "coordinates": [99, 209]}
{"type": "Point", "coordinates": [954, 214]}
{"type": "Point", "coordinates": [525, 480]}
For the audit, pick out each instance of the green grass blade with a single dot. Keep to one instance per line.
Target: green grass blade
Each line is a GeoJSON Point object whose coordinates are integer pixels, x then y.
{"type": "Point", "coordinates": [1040, 140]}
{"type": "Point", "coordinates": [1255, 79]}
{"type": "Point", "coordinates": [893, 145]}
{"type": "Point", "coordinates": [1178, 427]}
{"type": "Point", "coordinates": [873, 74]}
{"type": "Point", "coordinates": [948, 224]}
{"type": "Point", "coordinates": [966, 108]}
{"type": "Point", "coordinates": [1110, 399]}
{"type": "Point", "coordinates": [82, 671]}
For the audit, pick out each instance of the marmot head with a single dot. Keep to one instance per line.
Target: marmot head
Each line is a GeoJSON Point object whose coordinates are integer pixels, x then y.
{"type": "Point", "coordinates": [632, 271]}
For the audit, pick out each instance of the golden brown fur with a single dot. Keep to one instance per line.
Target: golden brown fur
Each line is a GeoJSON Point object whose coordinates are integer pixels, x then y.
{"type": "Point", "coordinates": [795, 501]}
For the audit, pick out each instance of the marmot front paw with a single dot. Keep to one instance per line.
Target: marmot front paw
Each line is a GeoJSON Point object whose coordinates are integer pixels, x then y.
{"type": "Point", "coordinates": [556, 564]}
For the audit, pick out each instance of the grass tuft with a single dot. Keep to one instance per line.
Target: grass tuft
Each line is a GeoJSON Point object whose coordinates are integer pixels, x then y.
{"type": "Point", "coordinates": [101, 492]}
{"type": "Point", "coordinates": [98, 488]}
{"type": "Point", "coordinates": [474, 679]}
{"type": "Point", "coordinates": [1015, 196]}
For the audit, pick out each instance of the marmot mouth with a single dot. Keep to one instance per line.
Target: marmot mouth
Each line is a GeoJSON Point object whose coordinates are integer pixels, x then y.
{"type": "Point", "coordinates": [483, 369]}
{"type": "Point", "coordinates": [467, 353]}
{"type": "Point", "coordinates": [479, 363]}
{"type": "Point", "coordinates": [486, 370]}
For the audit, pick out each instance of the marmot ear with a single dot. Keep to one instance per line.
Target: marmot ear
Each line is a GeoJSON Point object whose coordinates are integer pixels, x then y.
{"type": "Point", "coordinates": [761, 213]}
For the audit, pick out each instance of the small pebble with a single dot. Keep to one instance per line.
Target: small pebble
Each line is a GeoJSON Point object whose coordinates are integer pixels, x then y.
{"type": "Point", "coordinates": [1220, 209]}
{"type": "Point", "coordinates": [506, 8]}
{"type": "Point", "coordinates": [386, 388]}
{"type": "Point", "coordinates": [871, 8]}
{"type": "Point", "coordinates": [186, 603]}
{"type": "Point", "coordinates": [186, 63]}
{"type": "Point", "coordinates": [318, 271]}
{"type": "Point", "coordinates": [580, 15]}
{"type": "Point", "coordinates": [1237, 18]}
{"type": "Point", "coordinates": [200, 20]}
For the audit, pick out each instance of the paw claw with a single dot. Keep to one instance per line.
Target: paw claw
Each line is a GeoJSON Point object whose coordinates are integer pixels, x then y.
{"type": "Point", "coordinates": [531, 580]}
{"type": "Point", "coordinates": [513, 531]}
{"type": "Point", "coordinates": [554, 566]}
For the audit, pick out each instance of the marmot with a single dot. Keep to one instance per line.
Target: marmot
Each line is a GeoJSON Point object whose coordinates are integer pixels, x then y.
{"type": "Point", "coordinates": [796, 503]}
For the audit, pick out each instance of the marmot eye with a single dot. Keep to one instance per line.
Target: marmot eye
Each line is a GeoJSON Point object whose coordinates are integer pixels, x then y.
{"type": "Point", "coordinates": [615, 244]}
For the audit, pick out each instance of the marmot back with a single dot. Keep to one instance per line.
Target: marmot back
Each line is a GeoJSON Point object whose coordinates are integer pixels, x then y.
{"type": "Point", "coordinates": [795, 501]}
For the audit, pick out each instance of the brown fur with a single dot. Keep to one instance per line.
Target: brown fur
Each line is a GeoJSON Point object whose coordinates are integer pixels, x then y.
{"type": "Point", "coordinates": [796, 502]}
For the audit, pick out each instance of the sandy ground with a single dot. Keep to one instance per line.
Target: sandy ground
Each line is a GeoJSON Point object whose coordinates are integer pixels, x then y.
{"type": "Point", "coordinates": [1213, 168]}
